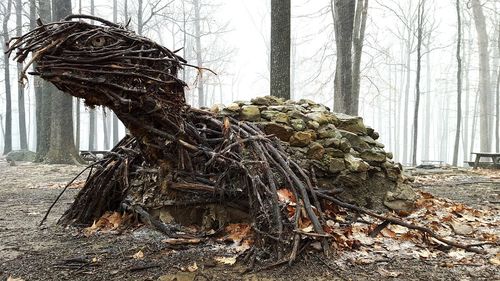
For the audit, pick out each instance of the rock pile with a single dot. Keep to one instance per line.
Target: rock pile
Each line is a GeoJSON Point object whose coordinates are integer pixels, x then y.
{"type": "Point", "coordinates": [343, 152]}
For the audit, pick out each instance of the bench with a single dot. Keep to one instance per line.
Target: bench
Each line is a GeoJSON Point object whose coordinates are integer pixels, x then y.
{"type": "Point", "coordinates": [495, 157]}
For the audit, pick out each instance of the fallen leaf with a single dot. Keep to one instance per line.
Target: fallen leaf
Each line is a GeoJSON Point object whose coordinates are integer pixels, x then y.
{"type": "Point", "coordinates": [307, 229]}
{"type": "Point", "coordinates": [495, 260]}
{"type": "Point", "coordinates": [226, 260]}
{"type": "Point", "coordinates": [236, 232]}
{"type": "Point", "coordinates": [285, 195]}
{"type": "Point", "coordinates": [10, 278]}
{"type": "Point", "coordinates": [386, 273]}
{"type": "Point", "coordinates": [461, 228]}
{"type": "Point", "coordinates": [193, 267]}
{"type": "Point", "coordinates": [139, 255]}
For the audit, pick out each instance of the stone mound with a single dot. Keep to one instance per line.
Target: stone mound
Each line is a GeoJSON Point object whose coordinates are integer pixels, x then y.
{"type": "Point", "coordinates": [343, 152]}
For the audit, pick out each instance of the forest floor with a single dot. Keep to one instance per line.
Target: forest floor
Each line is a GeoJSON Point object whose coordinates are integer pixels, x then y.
{"type": "Point", "coordinates": [29, 252]}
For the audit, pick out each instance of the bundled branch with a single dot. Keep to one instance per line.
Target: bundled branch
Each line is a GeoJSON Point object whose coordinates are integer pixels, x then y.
{"type": "Point", "coordinates": [175, 154]}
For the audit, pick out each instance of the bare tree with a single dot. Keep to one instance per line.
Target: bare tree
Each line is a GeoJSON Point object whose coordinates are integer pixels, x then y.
{"type": "Point", "coordinates": [497, 119]}
{"type": "Point", "coordinates": [199, 61]}
{"type": "Point", "coordinates": [92, 137]}
{"type": "Point", "coordinates": [459, 85]}
{"type": "Point", "coordinates": [357, 49]}
{"type": "Point", "coordinates": [62, 148]}
{"type": "Point", "coordinates": [420, 27]}
{"type": "Point", "coordinates": [484, 75]}
{"type": "Point", "coordinates": [20, 89]}
{"type": "Point", "coordinates": [37, 82]}
{"type": "Point", "coordinates": [344, 23]}
{"type": "Point", "coordinates": [280, 48]}
{"type": "Point", "coordinates": [6, 10]}
{"type": "Point", "coordinates": [114, 118]}
{"type": "Point", "coordinates": [43, 106]}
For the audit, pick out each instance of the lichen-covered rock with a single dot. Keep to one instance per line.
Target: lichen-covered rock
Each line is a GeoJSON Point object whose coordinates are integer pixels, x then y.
{"type": "Point", "coordinates": [351, 123]}
{"type": "Point", "coordinates": [315, 151]}
{"type": "Point", "coordinates": [301, 139]}
{"type": "Point", "coordinates": [298, 124]}
{"type": "Point", "coordinates": [21, 155]}
{"type": "Point", "coordinates": [250, 113]}
{"type": "Point", "coordinates": [343, 151]}
{"type": "Point", "coordinates": [283, 132]}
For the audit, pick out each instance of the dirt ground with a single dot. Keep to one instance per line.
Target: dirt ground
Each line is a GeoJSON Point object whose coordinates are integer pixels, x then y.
{"type": "Point", "coordinates": [51, 252]}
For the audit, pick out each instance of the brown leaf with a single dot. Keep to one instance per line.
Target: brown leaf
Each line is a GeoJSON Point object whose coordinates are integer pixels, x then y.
{"type": "Point", "coordinates": [139, 255]}
{"type": "Point", "coordinates": [285, 195]}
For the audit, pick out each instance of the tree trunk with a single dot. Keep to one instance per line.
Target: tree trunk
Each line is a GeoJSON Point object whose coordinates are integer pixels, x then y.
{"type": "Point", "coordinates": [407, 98]}
{"type": "Point", "coordinates": [139, 17]}
{"type": "Point", "coordinates": [23, 139]}
{"type": "Point", "coordinates": [8, 94]}
{"type": "Point", "coordinates": [484, 76]}
{"type": "Point", "coordinates": [105, 129]}
{"type": "Point", "coordinates": [496, 105]}
{"type": "Point", "coordinates": [45, 97]}
{"type": "Point", "coordinates": [199, 60]}
{"type": "Point", "coordinates": [420, 19]}
{"type": "Point", "coordinates": [357, 49]}
{"type": "Point", "coordinates": [61, 147]}
{"type": "Point", "coordinates": [466, 66]}
{"type": "Point", "coordinates": [427, 125]}
{"type": "Point", "coordinates": [114, 118]}
{"type": "Point", "coordinates": [459, 86]}
{"type": "Point", "coordinates": [92, 111]}
{"type": "Point", "coordinates": [280, 48]}
{"type": "Point", "coordinates": [344, 21]}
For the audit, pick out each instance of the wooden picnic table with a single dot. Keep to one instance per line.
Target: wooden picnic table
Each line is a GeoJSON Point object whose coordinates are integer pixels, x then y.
{"type": "Point", "coordinates": [495, 157]}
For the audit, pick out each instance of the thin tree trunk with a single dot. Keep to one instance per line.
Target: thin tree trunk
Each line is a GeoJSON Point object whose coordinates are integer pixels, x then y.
{"type": "Point", "coordinates": [114, 118]}
{"type": "Point", "coordinates": [23, 139]}
{"type": "Point", "coordinates": [8, 94]}
{"type": "Point", "coordinates": [421, 11]}
{"type": "Point", "coordinates": [427, 125]}
{"type": "Point", "coordinates": [459, 85]}
{"type": "Point", "coordinates": [139, 17]}
{"type": "Point", "coordinates": [199, 60]}
{"type": "Point", "coordinates": [92, 111]}
{"type": "Point", "coordinates": [484, 76]}
{"type": "Point", "coordinates": [406, 99]}
{"type": "Point", "coordinates": [473, 131]}
{"type": "Point", "coordinates": [280, 48]}
{"type": "Point", "coordinates": [466, 65]}
{"type": "Point", "coordinates": [105, 129]}
{"type": "Point", "coordinates": [357, 44]}
{"type": "Point", "coordinates": [37, 82]}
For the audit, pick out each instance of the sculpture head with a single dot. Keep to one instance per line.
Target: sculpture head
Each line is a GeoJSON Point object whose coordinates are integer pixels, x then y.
{"type": "Point", "coordinates": [107, 59]}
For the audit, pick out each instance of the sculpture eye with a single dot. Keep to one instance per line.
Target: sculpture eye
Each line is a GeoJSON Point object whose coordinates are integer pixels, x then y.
{"type": "Point", "coordinates": [98, 41]}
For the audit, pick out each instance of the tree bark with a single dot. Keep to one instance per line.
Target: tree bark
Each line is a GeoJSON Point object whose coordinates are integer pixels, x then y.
{"type": "Point", "coordinates": [280, 48]}
{"type": "Point", "coordinates": [43, 139]}
{"type": "Point", "coordinates": [357, 48]}
{"type": "Point", "coordinates": [62, 148]}
{"type": "Point", "coordinates": [420, 27]}
{"type": "Point", "coordinates": [8, 94]}
{"type": "Point", "coordinates": [114, 118]}
{"type": "Point", "coordinates": [199, 59]}
{"type": "Point", "coordinates": [459, 85]}
{"type": "Point", "coordinates": [497, 118]}
{"type": "Point", "coordinates": [344, 21]}
{"type": "Point", "coordinates": [484, 76]}
{"type": "Point", "coordinates": [23, 139]}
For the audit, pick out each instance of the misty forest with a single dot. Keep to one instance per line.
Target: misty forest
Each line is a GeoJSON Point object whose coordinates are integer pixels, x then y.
{"type": "Point", "coordinates": [250, 140]}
